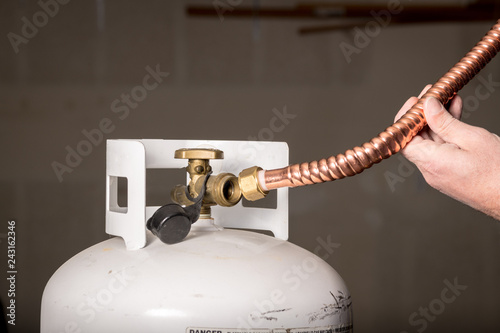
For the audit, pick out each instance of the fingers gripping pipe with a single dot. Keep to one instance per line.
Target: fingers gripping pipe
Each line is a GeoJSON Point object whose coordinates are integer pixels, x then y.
{"type": "Point", "coordinates": [396, 136]}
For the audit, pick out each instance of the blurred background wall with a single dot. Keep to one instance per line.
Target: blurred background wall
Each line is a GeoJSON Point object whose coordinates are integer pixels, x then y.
{"type": "Point", "coordinates": [398, 241]}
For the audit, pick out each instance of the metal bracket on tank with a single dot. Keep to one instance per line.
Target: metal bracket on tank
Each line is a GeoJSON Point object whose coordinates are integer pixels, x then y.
{"type": "Point", "coordinates": [130, 159]}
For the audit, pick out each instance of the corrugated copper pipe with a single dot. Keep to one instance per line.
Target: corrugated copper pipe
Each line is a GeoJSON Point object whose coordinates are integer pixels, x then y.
{"type": "Point", "coordinates": [396, 136]}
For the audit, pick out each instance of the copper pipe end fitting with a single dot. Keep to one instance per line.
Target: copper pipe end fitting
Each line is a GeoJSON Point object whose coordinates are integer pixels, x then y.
{"type": "Point", "coordinates": [249, 184]}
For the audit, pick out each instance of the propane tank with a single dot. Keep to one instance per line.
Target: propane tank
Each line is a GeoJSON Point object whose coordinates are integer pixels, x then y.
{"type": "Point", "coordinates": [193, 271]}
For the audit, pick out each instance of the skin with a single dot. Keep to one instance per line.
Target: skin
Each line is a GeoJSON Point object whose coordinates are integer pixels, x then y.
{"type": "Point", "coordinates": [459, 160]}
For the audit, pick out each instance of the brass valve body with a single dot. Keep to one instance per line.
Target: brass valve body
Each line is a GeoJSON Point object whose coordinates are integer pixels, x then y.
{"type": "Point", "coordinates": [222, 189]}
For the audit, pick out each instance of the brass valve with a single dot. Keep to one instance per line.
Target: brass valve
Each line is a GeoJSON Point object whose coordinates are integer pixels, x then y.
{"type": "Point", "coordinates": [222, 189]}
{"type": "Point", "coordinates": [171, 223]}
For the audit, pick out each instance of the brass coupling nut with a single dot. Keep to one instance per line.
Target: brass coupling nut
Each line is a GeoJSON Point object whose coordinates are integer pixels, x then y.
{"type": "Point", "coordinates": [223, 190]}
{"type": "Point", "coordinates": [249, 184]}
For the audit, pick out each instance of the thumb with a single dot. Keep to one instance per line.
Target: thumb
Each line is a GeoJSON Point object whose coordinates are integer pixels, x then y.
{"type": "Point", "coordinates": [443, 124]}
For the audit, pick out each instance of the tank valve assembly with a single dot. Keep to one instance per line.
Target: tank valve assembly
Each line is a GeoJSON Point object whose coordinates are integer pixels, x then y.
{"type": "Point", "coordinates": [221, 189]}
{"type": "Point", "coordinates": [172, 222]}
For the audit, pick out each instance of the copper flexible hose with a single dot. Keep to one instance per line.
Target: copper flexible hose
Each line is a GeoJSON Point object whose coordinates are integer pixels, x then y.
{"type": "Point", "coordinates": [395, 137]}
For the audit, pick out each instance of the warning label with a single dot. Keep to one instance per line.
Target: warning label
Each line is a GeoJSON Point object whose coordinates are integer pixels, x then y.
{"type": "Point", "coordinates": [325, 329]}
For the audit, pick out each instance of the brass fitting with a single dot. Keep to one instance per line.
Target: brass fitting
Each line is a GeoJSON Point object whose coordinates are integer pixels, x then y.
{"type": "Point", "coordinates": [222, 189]}
{"type": "Point", "coordinates": [178, 195]}
{"type": "Point", "coordinates": [198, 164]}
{"type": "Point", "coordinates": [249, 184]}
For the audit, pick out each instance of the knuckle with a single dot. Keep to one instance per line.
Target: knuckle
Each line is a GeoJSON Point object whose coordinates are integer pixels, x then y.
{"type": "Point", "coordinates": [446, 124]}
{"type": "Point", "coordinates": [480, 136]}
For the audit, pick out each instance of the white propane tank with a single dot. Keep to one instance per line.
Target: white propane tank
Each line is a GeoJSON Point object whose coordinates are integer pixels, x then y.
{"type": "Point", "coordinates": [217, 280]}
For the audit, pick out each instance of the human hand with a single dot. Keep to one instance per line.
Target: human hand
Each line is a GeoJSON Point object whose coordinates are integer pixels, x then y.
{"type": "Point", "coordinates": [459, 160]}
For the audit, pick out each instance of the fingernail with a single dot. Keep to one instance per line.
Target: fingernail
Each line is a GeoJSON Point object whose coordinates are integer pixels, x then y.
{"type": "Point", "coordinates": [432, 106]}
{"type": "Point", "coordinates": [427, 87]}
